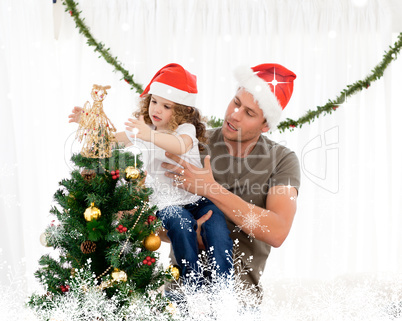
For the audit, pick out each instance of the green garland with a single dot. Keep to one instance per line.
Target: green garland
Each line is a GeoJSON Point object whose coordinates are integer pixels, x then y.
{"type": "Point", "coordinates": [290, 124]}
{"type": "Point", "coordinates": [350, 90]}
{"type": "Point", "coordinates": [71, 6]}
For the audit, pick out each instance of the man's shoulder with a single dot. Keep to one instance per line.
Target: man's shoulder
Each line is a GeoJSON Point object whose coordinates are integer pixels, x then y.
{"type": "Point", "coordinates": [213, 133]}
{"type": "Point", "coordinates": [277, 150]}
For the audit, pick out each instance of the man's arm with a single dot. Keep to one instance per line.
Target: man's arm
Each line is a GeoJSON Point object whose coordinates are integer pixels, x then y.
{"type": "Point", "coordinates": [270, 225]}
{"type": "Point", "coordinates": [274, 222]}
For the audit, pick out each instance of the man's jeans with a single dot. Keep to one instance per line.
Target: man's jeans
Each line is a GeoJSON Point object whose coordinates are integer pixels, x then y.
{"type": "Point", "coordinates": [181, 223]}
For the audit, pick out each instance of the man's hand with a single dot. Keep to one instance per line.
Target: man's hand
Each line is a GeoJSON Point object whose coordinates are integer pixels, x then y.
{"type": "Point", "coordinates": [201, 221]}
{"type": "Point", "coordinates": [163, 232]}
{"type": "Point", "coordinates": [189, 177]}
{"type": "Point", "coordinates": [76, 115]}
{"type": "Point", "coordinates": [144, 131]}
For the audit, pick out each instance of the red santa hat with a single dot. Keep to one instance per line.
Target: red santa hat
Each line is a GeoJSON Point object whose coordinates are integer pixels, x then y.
{"type": "Point", "coordinates": [174, 83]}
{"type": "Point", "coordinates": [271, 85]}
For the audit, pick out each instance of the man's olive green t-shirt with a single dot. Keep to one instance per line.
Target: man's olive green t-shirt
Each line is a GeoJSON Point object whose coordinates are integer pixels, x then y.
{"type": "Point", "coordinates": [269, 164]}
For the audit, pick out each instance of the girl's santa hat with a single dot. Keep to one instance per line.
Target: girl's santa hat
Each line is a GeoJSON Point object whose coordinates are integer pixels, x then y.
{"type": "Point", "coordinates": [271, 85]}
{"type": "Point", "coordinates": [174, 83]}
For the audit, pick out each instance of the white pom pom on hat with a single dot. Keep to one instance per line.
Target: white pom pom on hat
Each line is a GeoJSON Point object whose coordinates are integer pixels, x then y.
{"type": "Point", "coordinates": [271, 85]}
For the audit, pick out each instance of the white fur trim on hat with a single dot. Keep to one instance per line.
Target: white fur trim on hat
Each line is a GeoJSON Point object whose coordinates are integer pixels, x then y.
{"type": "Point", "coordinates": [262, 93]}
{"type": "Point", "coordinates": [173, 94]}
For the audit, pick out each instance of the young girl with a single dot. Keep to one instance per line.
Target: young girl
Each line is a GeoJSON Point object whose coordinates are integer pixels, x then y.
{"type": "Point", "coordinates": [168, 121]}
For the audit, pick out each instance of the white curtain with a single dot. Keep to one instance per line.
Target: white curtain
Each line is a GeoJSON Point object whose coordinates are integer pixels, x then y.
{"type": "Point", "coordinates": [348, 220]}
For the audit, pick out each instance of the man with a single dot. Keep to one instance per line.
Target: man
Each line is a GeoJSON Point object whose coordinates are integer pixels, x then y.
{"type": "Point", "coordinates": [252, 179]}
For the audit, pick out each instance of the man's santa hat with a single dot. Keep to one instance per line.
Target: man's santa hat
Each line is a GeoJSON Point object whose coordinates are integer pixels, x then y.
{"type": "Point", "coordinates": [174, 83]}
{"type": "Point", "coordinates": [271, 85]}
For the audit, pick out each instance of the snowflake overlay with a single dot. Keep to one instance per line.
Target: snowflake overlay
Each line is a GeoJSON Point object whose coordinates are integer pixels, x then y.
{"type": "Point", "coordinates": [216, 297]}
{"type": "Point", "coordinates": [167, 199]}
{"type": "Point", "coordinates": [252, 220]}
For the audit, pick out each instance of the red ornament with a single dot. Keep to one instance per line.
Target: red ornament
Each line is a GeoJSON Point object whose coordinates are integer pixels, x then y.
{"type": "Point", "coordinates": [71, 12]}
{"type": "Point", "coordinates": [126, 80]}
{"type": "Point", "coordinates": [115, 174]}
{"type": "Point", "coordinates": [293, 126]}
{"type": "Point", "coordinates": [149, 261]}
{"type": "Point", "coordinates": [121, 229]}
{"type": "Point", "coordinates": [150, 219]}
{"type": "Point", "coordinates": [64, 288]}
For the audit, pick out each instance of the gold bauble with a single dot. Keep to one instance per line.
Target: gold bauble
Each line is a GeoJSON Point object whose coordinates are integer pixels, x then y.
{"type": "Point", "coordinates": [132, 172]}
{"type": "Point", "coordinates": [152, 242]}
{"type": "Point", "coordinates": [174, 271]}
{"type": "Point", "coordinates": [171, 308]}
{"type": "Point", "coordinates": [92, 213]}
{"type": "Point", "coordinates": [118, 275]}
{"type": "Point", "coordinates": [105, 285]}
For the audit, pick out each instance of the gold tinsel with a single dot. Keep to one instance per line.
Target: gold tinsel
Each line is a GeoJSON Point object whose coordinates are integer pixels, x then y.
{"type": "Point", "coordinates": [95, 128]}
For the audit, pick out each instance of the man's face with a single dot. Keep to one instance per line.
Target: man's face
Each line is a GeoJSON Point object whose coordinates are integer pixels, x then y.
{"type": "Point", "coordinates": [244, 120]}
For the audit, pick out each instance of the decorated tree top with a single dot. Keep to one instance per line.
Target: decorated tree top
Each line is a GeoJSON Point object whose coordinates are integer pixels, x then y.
{"type": "Point", "coordinates": [95, 128]}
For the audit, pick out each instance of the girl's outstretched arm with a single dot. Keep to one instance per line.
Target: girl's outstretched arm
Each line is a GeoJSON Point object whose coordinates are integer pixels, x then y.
{"type": "Point", "coordinates": [178, 145]}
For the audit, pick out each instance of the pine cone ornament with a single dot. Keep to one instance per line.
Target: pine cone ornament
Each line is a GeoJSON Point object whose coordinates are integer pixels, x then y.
{"type": "Point", "coordinates": [88, 247]}
{"type": "Point", "coordinates": [88, 174]}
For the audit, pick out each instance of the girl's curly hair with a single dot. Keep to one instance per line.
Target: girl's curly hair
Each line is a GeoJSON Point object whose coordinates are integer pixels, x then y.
{"type": "Point", "coordinates": [181, 114]}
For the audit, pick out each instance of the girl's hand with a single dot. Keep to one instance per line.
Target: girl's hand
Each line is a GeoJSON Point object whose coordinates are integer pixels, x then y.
{"type": "Point", "coordinates": [76, 115]}
{"type": "Point", "coordinates": [144, 131]}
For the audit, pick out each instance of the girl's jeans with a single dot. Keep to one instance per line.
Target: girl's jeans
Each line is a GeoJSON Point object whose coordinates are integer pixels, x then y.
{"type": "Point", "coordinates": [181, 223]}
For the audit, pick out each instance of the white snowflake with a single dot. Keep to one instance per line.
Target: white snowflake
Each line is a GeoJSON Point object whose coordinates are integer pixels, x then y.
{"type": "Point", "coordinates": [218, 297]}
{"type": "Point", "coordinates": [85, 301]}
{"type": "Point", "coordinates": [252, 220]}
{"type": "Point", "coordinates": [56, 233]}
{"type": "Point", "coordinates": [169, 200]}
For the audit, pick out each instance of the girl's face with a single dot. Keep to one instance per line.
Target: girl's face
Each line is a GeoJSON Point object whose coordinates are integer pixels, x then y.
{"type": "Point", "coordinates": [160, 111]}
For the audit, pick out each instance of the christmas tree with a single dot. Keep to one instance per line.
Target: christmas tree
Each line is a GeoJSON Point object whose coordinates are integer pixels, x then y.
{"type": "Point", "coordinates": [104, 231]}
